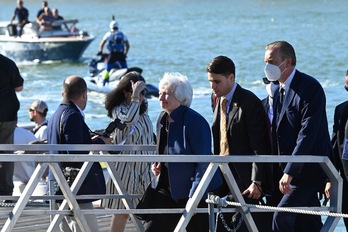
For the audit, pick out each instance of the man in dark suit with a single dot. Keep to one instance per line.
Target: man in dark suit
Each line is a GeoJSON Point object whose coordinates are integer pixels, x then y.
{"type": "Point", "coordinates": [339, 134]}
{"type": "Point", "coordinates": [247, 132]}
{"type": "Point", "coordinates": [299, 127]}
{"type": "Point", "coordinates": [67, 126]}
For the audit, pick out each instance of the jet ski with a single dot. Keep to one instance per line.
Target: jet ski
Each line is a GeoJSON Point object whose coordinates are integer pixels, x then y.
{"type": "Point", "coordinates": [95, 81]}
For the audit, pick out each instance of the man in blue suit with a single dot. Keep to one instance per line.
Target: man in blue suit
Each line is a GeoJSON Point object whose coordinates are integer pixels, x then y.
{"type": "Point", "coordinates": [67, 126]}
{"type": "Point", "coordinates": [339, 134]}
{"type": "Point", "coordinates": [299, 127]}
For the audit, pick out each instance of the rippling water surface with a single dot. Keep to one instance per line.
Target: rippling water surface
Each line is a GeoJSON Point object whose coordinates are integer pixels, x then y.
{"type": "Point", "coordinates": [183, 36]}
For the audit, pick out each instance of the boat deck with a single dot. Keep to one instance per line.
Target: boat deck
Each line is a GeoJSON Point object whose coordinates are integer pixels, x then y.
{"type": "Point", "coordinates": [40, 223]}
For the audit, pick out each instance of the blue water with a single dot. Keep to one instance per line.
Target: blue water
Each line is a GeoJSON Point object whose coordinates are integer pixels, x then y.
{"type": "Point", "coordinates": [183, 36]}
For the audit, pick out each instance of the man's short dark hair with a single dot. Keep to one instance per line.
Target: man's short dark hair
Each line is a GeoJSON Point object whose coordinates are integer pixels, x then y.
{"type": "Point", "coordinates": [221, 65]}
{"type": "Point", "coordinates": [286, 50]}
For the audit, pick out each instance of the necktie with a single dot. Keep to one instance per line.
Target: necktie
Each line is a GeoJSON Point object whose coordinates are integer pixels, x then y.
{"type": "Point", "coordinates": [224, 150]}
{"type": "Point", "coordinates": [279, 109]}
{"type": "Point", "coordinates": [281, 99]}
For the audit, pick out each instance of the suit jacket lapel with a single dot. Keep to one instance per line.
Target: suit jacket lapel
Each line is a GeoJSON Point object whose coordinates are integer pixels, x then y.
{"type": "Point", "coordinates": [234, 107]}
{"type": "Point", "coordinates": [289, 95]}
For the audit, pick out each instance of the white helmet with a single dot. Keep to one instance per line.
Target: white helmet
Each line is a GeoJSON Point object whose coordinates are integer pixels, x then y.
{"type": "Point", "coordinates": [113, 24]}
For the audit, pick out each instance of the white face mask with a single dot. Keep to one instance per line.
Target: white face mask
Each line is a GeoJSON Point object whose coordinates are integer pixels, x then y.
{"type": "Point", "coordinates": [273, 72]}
{"type": "Point", "coordinates": [271, 88]}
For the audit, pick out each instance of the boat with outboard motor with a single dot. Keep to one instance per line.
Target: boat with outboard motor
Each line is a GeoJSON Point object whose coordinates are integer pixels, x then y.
{"type": "Point", "coordinates": [95, 81]}
{"type": "Point", "coordinates": [64, 42]}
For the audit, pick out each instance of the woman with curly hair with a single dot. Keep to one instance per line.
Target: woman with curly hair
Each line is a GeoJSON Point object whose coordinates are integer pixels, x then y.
{"type": "Point", "coordinates": [127, 103]}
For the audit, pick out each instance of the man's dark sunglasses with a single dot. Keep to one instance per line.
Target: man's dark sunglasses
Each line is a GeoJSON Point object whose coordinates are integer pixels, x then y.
{"type": "Point", "coordinates": [266, 81]}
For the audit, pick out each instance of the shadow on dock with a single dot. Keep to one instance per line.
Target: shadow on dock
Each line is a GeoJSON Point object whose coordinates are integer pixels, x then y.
{"type": "Point", "coordinates": [40, 223]}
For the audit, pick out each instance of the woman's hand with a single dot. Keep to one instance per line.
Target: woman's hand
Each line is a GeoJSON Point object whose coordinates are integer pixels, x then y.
{"type": "Point", "coordinates": [156, 168]}
{"type": "Point", "coordinates": [106, 140]}
{"type": "Point", "coordinates": [137, 87]}
{"type": "Point", "coordinates": [328, 190]}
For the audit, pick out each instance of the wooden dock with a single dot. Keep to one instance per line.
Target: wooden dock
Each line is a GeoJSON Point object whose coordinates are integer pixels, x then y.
{"type": "Point", "coordinates": [40, 223]}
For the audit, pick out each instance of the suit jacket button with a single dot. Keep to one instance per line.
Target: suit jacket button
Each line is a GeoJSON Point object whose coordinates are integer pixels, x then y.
{"type": "Point", "coordinates": [192, 179]}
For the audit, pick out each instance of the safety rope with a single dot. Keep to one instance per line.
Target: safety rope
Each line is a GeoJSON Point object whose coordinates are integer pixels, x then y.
{"type": "Point", "coordinates": [223, 202]}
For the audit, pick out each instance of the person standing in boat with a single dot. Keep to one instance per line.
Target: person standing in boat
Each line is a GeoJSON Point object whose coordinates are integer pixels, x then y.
{"type": "Point", "coordinates": [46, 19]}
{"type": "Point", "coordinates": [127, 103]}
{"type": "Point", "coordinates": [118, 46]}
{"type": "Point", "coordinates": [57, 17]}
{"type": "Point", "coordinates": [22, 15]}
{"type": "Point", "coordinates": [41, 11]}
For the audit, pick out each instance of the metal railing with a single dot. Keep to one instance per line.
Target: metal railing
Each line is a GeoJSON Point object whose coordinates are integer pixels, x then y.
{"type": "Point", "coordinates": [215, 162]}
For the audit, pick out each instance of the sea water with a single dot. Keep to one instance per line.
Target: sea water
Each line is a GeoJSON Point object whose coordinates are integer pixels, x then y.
{"type": "Point", "coordinates": [184, 35]}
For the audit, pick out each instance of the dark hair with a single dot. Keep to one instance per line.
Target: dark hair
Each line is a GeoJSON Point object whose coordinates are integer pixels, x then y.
{"type": "Point", "coordinates": [74, 88]}
{"type": "Point", "coordinates": [286, 50]}
{"type": "Point", "coordinates": [221, 65]}
{"type": "Point", "coordinates": [116, 96]}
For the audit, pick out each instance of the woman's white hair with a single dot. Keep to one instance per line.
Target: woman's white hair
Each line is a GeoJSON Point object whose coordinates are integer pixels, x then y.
{"type": "Point", "coordinates": [177, 84]}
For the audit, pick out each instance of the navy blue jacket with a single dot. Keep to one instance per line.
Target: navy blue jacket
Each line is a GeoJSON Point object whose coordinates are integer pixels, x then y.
{"type": "Point", "coordinates": [188, 134]}
{"type": "Point", "coordinates": [338, 136]}
{"type": "Point", "coordinates": [302, 128]}
{"type": "Point", "coordinates": [67, 126]}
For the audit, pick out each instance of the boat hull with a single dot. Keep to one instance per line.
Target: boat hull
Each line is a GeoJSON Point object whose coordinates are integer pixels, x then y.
{"type": "Point", "coordinates": [39, 50]}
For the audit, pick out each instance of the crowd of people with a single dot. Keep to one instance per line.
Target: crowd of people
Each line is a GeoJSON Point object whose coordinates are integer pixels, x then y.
{"type": "Point", "coordinates": [291, 121]}
{"type": "Point", "coordinates": [45, 17]}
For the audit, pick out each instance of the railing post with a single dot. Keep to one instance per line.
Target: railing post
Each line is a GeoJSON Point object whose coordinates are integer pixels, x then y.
{"type": "Point", "coordinates": [211, 214]}
{"type": "Point", "coordinates": [51, 190]}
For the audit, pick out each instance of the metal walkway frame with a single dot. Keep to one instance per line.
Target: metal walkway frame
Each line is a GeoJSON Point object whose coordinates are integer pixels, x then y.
{"type": "Point", "coordinates": [70, 205]}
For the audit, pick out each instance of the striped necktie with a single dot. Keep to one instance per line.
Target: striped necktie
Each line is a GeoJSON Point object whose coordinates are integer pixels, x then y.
{"type": "Point", "coordinates": [224, 149]}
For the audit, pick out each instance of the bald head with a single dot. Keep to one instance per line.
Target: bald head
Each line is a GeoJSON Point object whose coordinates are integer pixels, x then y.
{"type": "Point", "coordinates": [74, 87]}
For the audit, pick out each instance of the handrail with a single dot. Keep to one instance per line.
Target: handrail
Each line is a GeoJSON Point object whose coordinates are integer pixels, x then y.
{"type": "Point", "coordinates": [216, 162]}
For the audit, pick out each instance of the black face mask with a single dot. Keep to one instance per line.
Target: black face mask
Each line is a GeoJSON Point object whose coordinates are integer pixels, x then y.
{"type": "Point", "coordinates": [346, 88]}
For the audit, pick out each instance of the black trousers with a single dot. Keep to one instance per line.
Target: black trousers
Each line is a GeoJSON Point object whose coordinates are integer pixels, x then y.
{"type": "Point", "coordinates": [6, 178]}
{"type": "Point", "coordinates": [167, 222]}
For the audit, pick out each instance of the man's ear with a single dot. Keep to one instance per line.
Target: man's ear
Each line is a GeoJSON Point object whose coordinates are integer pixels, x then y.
{"type": "Point", "coordinates": [231, 76]}
{"type": "Point", "coordinates": [85, 95]}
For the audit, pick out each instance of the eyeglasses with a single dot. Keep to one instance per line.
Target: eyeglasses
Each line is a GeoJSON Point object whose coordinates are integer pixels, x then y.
{"type": "Point", "coordinates": [266, 81]}
{"type": "Point", "coordinates": [31, 110]}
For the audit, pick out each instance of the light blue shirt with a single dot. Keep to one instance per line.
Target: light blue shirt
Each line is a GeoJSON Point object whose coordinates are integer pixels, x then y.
{"type": "Point", "coordinates": [229, 97]}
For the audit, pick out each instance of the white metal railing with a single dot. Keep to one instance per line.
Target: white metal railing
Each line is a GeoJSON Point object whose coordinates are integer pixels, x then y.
{"type": "Point", "coordinates": [215, 162]}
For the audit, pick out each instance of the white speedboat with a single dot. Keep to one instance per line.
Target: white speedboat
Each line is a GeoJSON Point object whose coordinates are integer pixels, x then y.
{"type": "Point", "coordinates": [65, 43]}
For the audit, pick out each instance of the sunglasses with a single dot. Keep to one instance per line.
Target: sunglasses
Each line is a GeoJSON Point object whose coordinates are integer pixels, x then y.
{"type": "Point", "coordinates": [31, 110]}
{"type": "Point", "coordinates": [266, 81]}
{"type": "Point", "coordinates": [143, 92]}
